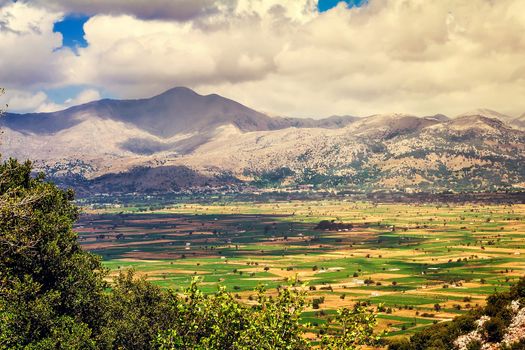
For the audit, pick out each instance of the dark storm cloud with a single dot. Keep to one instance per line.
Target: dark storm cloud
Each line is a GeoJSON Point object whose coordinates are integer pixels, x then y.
{"type": "Point", "coordinates": [178, 10]}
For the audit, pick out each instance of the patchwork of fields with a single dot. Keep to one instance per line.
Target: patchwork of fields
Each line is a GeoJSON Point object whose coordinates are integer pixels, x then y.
{"type": "Point", "coordinates": [422, 263]}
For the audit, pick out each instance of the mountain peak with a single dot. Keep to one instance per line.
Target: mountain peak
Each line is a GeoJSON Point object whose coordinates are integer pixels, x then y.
{"type": "Point", "coordinates": [178, 90]}
{"type": "Point", "coordinates": [477, 122]}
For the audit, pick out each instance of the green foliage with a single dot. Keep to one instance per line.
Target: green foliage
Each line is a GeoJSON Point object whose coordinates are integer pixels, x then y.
{"type": "Point", "coordinates": [272, 178]}
{"type": "Point", "coordinates": [274, 321]}
{"type": "Point", "coordinates": [219, 322]}
{"type": "Point", "coordinates": [49, 286]}
{"type": "Point", "coordinates": [137, 312]}
{"type": "Point", "coordinates": [357, 328]}
{"type": "Point", "coordinates": [517, 346]}
{"type": "Point", "coordinates": [400, 344]}
{"type": "Point", "coordinates": [474, 345]}
{"type": "Point", "coordinates": [66, 334]}
{"type": "Point", "coordinates": [441, 336]}
{"type": "Point", "coordinates": [203, 321]}
{"type": "Point", "coordinates": [495, 329]}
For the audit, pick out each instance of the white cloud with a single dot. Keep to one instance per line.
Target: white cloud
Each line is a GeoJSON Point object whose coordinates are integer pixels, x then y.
{"type": "Point", "coordinates": [143, 57]}
{"type": "Point", "coordinates": [84, 96]}
{"type": "Point", "coordinates": [284, 58]}
{"type": "Point", "coordinates": [29, 47]}
{"type": "Point", "coordinates": [25, 101]}
{"type": "Point", "coordinates": [401, 55]}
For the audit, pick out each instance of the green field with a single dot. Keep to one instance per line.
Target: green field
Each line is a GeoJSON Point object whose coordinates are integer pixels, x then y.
{"type": "Point", "coordinates": [407, 258]}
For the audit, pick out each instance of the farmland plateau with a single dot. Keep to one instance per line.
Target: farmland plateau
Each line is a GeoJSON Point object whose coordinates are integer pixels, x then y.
{"type": "Point", "coordinates": [417, 264]}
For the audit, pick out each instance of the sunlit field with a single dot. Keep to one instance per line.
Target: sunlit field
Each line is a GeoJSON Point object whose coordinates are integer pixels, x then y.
{"type": "Point", "coordinates": [419, 264]}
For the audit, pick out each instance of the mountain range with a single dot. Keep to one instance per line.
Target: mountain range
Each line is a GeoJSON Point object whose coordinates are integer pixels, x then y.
{"type": "Point", "coordinates": [181, 139]}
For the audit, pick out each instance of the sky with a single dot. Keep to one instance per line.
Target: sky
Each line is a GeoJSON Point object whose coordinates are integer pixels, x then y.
{"type": "Point", "coordinates": [300, 58]}
{"type": "Point", "coordinates": [72, 29]}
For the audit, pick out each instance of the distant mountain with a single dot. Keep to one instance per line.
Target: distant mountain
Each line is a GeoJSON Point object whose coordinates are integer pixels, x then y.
{"type": "Point", "coordinates": [519, 122]}
{"type": "Point", "coordinates": [160, 122]}
{"type": "Point", "coordinates": [488, 113]}
{"type": "Point", "coordinates": [180, 140]}
{"type": "Point", "coordinates": [176, 111]}
{"type": "Point", "coordinates": [332, 122]}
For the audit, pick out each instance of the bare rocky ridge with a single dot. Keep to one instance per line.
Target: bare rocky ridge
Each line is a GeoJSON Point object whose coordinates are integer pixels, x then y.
{"type": "Point", "coordinates": [519, 122]}
{"type": "Point", "coordinates": [181, 139]}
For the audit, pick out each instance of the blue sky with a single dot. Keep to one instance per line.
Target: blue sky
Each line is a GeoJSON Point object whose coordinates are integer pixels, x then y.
{"type": "Point", "coordinates": [72, 30]}
{"type": "Point", "coordinates": [325, 5]}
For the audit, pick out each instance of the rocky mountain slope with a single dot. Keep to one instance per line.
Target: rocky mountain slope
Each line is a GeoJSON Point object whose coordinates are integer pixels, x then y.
{"type": "Point", "coordinates": [181, 139]}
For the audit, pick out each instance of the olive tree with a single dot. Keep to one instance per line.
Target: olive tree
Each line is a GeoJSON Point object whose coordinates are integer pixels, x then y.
{"type": "Point", "coordinates": [51, 291]}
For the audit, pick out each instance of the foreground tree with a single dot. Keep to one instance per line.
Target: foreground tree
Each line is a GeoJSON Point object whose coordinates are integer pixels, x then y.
{"type": "Point", "coordinates": [356, 329]}
{"type": "Point", "coordinates": [274, 322]}
{"type": "Point", "coordinates": [219, 322]}
{"type": "Point", "coordinates": [203, 321]}
{"type": "Point", "coordinates": [51, 291]}
{"type": "Point", "coordinates": [138, 311]}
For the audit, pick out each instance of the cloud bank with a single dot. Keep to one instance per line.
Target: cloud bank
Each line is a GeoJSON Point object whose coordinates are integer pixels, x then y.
{"type": "Point", "coordinates": [280, 57]}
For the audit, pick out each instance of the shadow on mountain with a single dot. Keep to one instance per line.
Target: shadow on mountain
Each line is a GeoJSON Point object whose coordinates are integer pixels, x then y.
{"type": "Point", "coordinates": [147, 180]}
{"type": "Point", "coordinates": [39, 123]}
{"type": "Point", "coordinates": [161, 179]}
